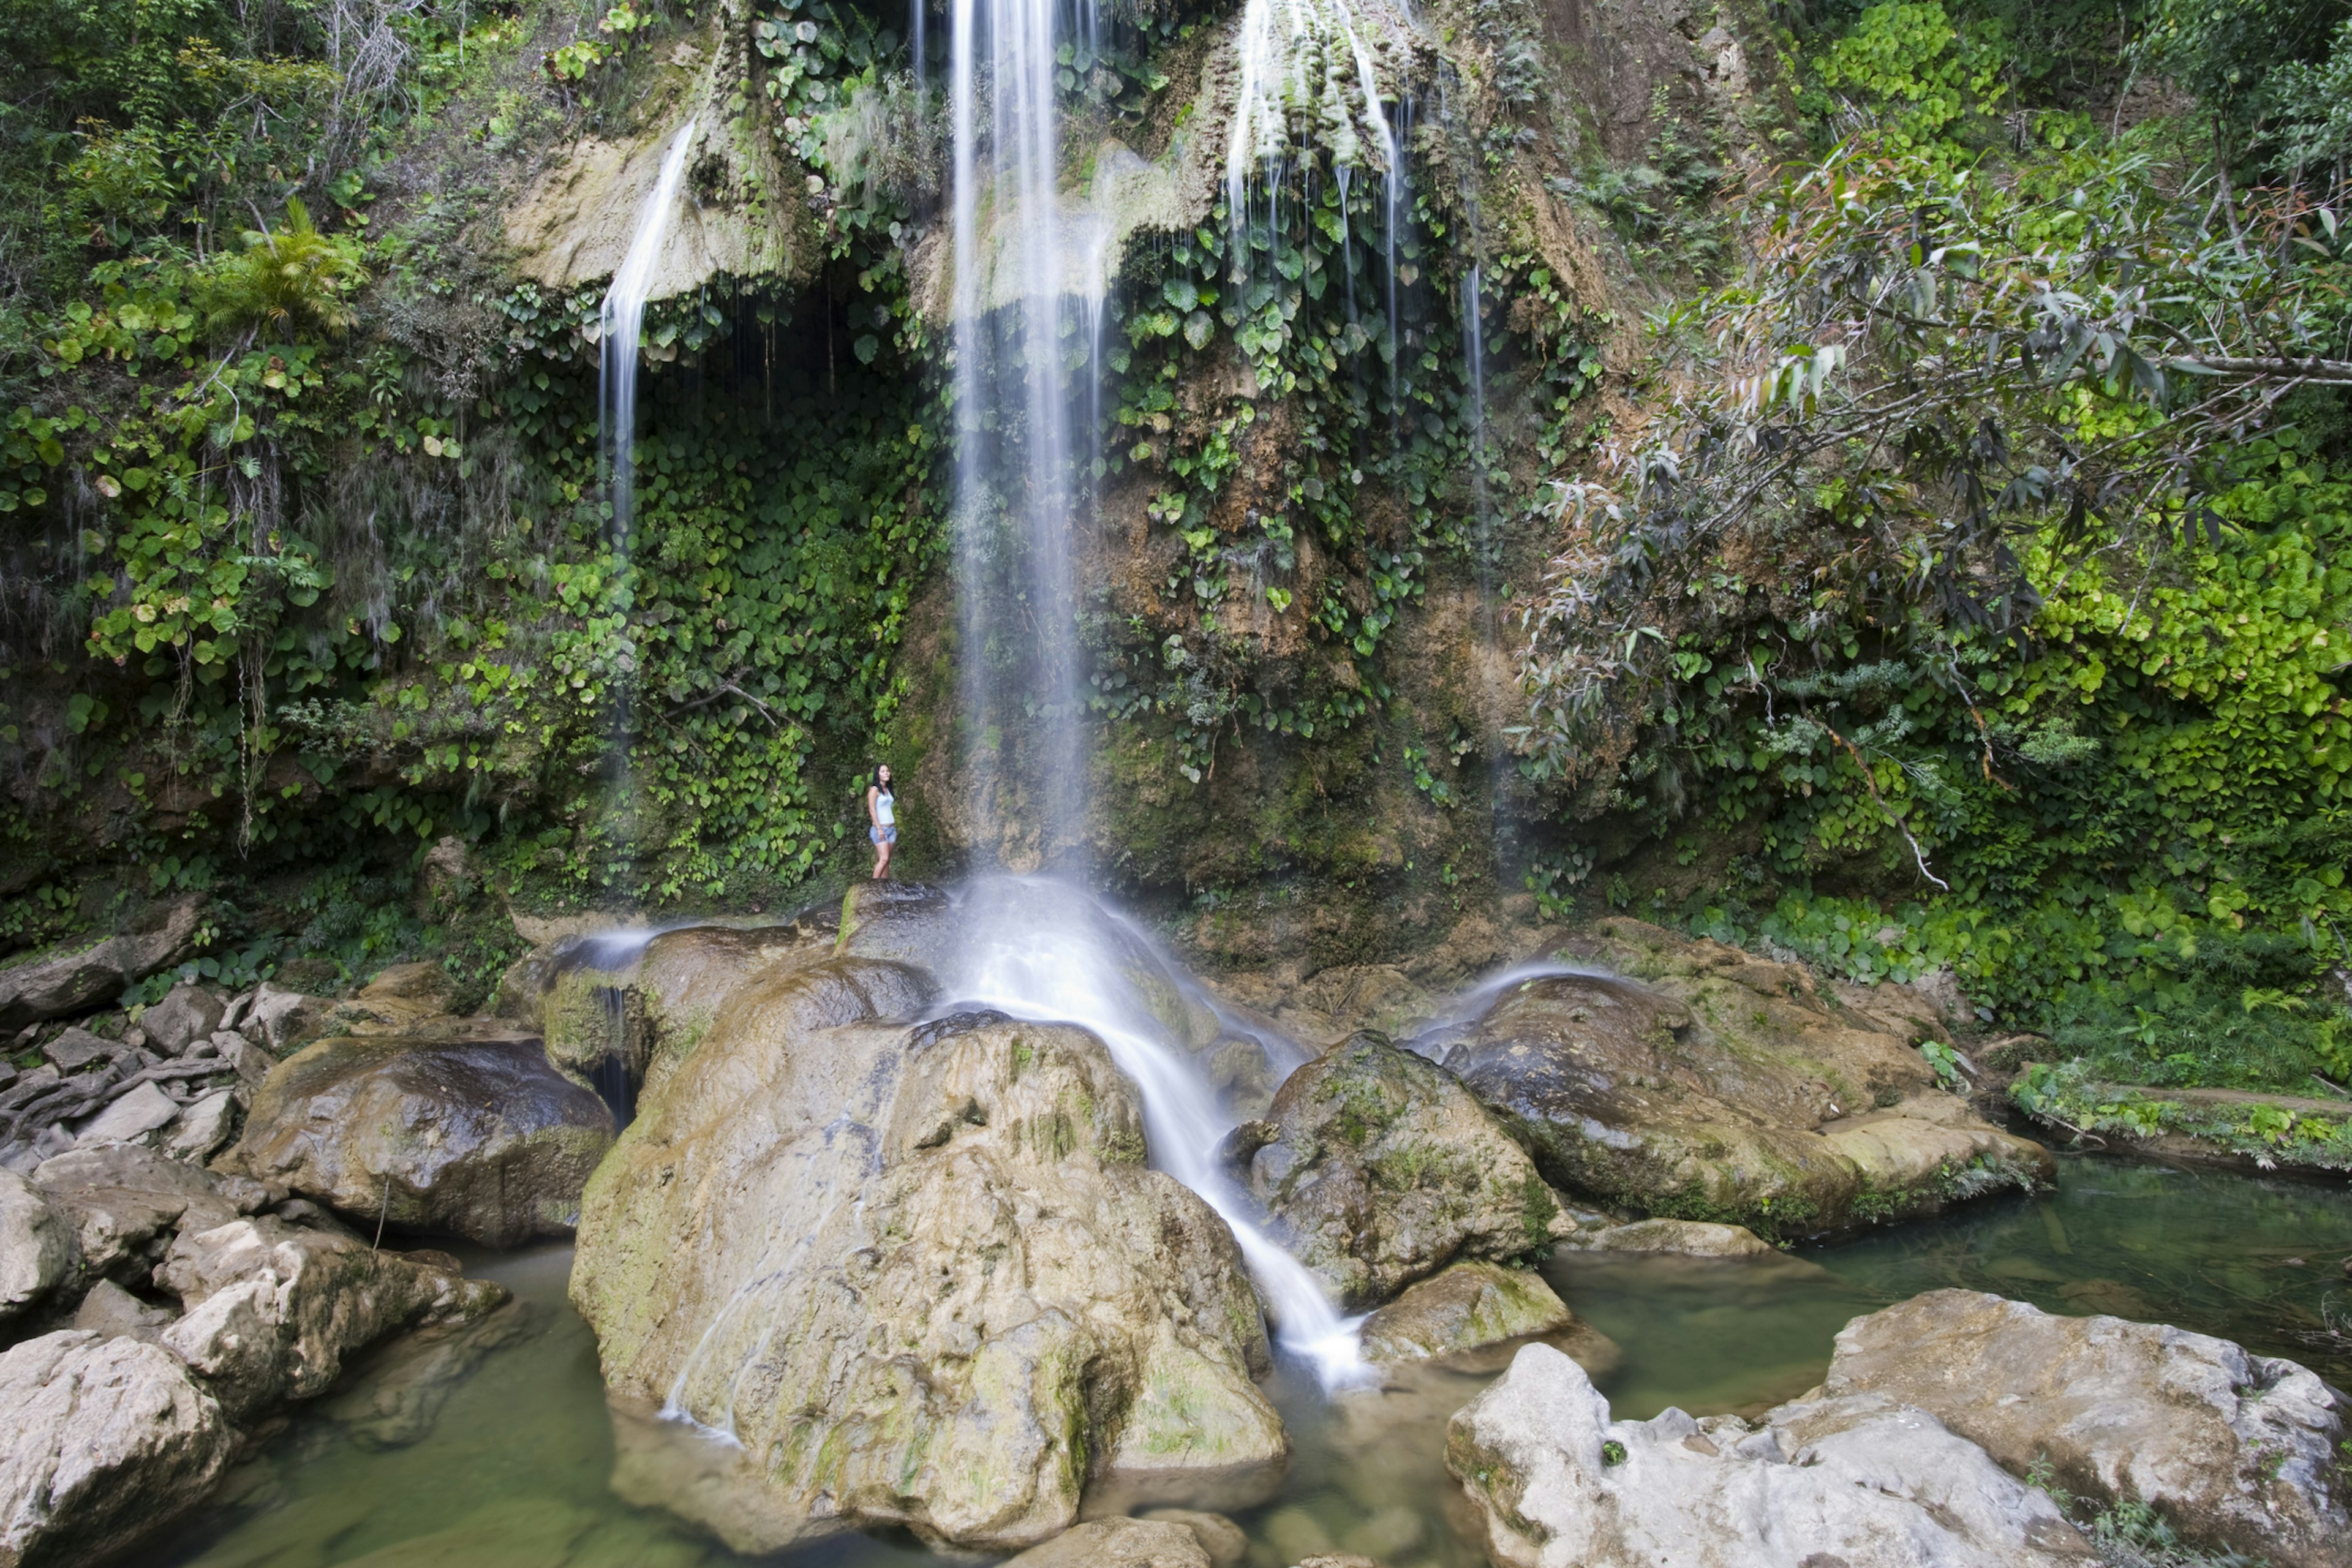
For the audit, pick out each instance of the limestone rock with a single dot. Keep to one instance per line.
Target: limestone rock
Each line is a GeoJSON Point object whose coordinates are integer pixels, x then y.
{"type": "Point", "coordinates": [1119, 1543]}
{"type": "Point", "coordinates": [188, 1013]}
{"type": "Point", "coordinates": [2235, 1450]}
{"type": "Point", "coordinates": [398, 1396]}
{"type": "Point", "coordinates": [36, 1244]}
{"type": "Point", "coordinates": [124, 1201]}
{"type": "Point", "coordinates": [283, 1020]}
{"type": "Point", "coordinates": [64, 985]}
{"type": "Point", "coordinates": [203, 1126]}
{"type": "Point", "coordinates": [1385, 1169]}
{"type": "Point", "coordinates": [76, 1048]}
{"type": "Point", "coordinates": [1723, 1087]}
{"type": "Point", "coordinates": [1863, 1481]}
{"type": "Point", "coordinates": [1692, 1238]}
{"type": "Point", "coordinates": [455, 1133]}
{"type": "Point", "coordinates": [106, 1439]}
{"type": "Point", "coordinates": [273, 1309]}
{"type": "Point", "coordinates": [923, 1276]}
{"type": "Point", "coordinates": [1468, 1306]}
{"type": "Point", "coordinates": [129, 1116]}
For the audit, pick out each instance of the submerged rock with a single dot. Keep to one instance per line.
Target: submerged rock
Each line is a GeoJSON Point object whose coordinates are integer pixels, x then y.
{"type": "Point", "coordinates": [1378, 1168]}
{"type": "Point", "coordinates": [461, 1132]}
{"type": "Point", "coordinates": [106, 1440]}
{"type": "Point", "coordinates": [1119, 1543]}
{"type": "Point", "coordinates": [1689, 1238]}
{"type": "Point", "coordinates": [923, 1276]}
{"type": "Point", "coordinates": [1727, 1090]}
{"type": "Point", "coordinates": [400, 1393]}
{"type": "Point", "coordinates": [1863, 1482]}
{"type": "Point", "coordinates": [1468, 1306]}
{"type": "Point", "coordinates": [2235, 1450]}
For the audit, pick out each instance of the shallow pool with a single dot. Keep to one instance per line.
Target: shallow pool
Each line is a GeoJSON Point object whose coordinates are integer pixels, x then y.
{"type": "Point", "coordinates": [513, 1470]}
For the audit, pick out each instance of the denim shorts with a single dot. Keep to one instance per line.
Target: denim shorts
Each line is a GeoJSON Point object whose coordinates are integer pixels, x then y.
{"type": "Point", "coordinates": [883, 835]}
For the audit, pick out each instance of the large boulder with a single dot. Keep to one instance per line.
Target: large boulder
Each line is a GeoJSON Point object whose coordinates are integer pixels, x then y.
{"type": "Point", "coordinates": [2235, 1450]}
{"type": "Point", "coordinates": [922, 1275]}
{"type": "Point", "coordinates": [1725, 1088]}
{"type": "Point", "coordinates": [106, 1439]}
{"type": "Point", "coordinates": [36, 1244]}
{"type": "Point", "coordinates": [271, 1310]}
{"type": "Point", "coordinates": [1464, 1308]}
{"type": "Point", "coordinates": [63, 984]}
{"type": "Point", "coordinates": [1119, 1543]}
{"type": "Point", "coordinates": [461, 1132]}
{"type": "Point", "coordinates": [1860, 1482]}
{"type": "Point", "coordinates": [1382, 1169]}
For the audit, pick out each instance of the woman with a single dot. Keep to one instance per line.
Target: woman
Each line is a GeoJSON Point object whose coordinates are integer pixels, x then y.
{"type": "Point", "coordinates": [882, 810]}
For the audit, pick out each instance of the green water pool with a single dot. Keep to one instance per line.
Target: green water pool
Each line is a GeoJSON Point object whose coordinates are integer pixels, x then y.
{"type": "Point", "coordinates": [514, 1471]}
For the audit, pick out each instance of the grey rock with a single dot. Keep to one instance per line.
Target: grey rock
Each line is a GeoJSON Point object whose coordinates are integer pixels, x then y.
{"type": "Point", "coordinates": [203, 1126]}
{"type": "Point", "coordinates": [285, 1020]}
{"type": "Point", "coordinates": [188, 1013]}
{"type": "Point", "coordinates": [36, 1244]}
{"type": "Point", "coordinates": [1467, 1305]}
{"type": "Point", "coordinates": [2235, 1450]}
{"type": "Point", "coordinates": [471, 1135]}
{"type": "Point", "coordinates": [124, 1201]}
{"type": "Point", "coordinates": [273, 1309]}
{"type": "Point", "coordinates": [1863, 1482]}
{"type": "Point", "coordinates": [1220, 1537]}
{"type": "Point", "coordinates": [1119, 1543]}
{"type": "Point", "coordinates": [106, 1440]}
{"type": "Point", "coordinates": [252, 1063]}
{"type": "Point", "coordinates": [76, 1048]}
{"type": "Point", "coordinates": [64, 985]}
{"type": "Point", "coordinates": [395, 1399]}
{"type": "Point", "coordinates": [1690, 1237]}
{"type": "Point", "coordinates": [110, 1311]}
{"type": "Point", "coordinates": [129, 1116]}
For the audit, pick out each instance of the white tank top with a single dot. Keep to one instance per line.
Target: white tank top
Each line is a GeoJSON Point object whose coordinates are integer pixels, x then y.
{"type": "Point", "coordinates": [883, 811]}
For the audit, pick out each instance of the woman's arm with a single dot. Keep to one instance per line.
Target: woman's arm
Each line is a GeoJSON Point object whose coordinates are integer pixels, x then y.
{"type": "Point", "coordinates": [873, 812]}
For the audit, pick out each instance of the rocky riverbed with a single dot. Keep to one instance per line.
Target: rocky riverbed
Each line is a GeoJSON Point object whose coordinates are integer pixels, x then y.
{"type": "Point", "coordinates": [861, 1252]}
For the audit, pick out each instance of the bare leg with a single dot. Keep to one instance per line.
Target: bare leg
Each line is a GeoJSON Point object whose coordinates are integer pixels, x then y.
{"type": "Point", "coordinates": [881, 859]}
{"type": "Point", "coordinates": [882, 867]}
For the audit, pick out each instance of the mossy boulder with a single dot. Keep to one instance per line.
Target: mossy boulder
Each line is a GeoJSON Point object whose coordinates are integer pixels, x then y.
{"type": "Point", "coordinates": [1724, 1088]}
{"type": "Point", "coordinates": [922, 1274]}
{"type": "Point", "coordinates": [464, 1131]}
{"type": "Point", "coordinates": [1466, 1306]}
{"type": "Point", "coordinates": [1379, 1168]}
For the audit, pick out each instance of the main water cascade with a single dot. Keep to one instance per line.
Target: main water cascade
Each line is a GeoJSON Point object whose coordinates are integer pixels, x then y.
{"type": "Point", "coordinates": [1036, 949]}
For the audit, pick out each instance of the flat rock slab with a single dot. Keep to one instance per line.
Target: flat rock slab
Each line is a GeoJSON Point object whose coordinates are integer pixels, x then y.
{"type": "Point", "coordinates": [463, 1134]}
{"type": "Point", "coordinates": [1119, 1543]}
{"type": "Point", "coordinates": [1689, 1238]}
{"type": "Point", "coordinates": [106, 1439]}
{"type": "Point", "coordinates": [1863, 1482]}
{"type": "Point", "coordinates": [2236, 1450]}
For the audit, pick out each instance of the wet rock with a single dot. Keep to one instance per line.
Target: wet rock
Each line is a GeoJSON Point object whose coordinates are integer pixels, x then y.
{"type": "Point", "coordinates": [106, 1440]}
{"type": "Point", "coordinates": [186, 1014]}
{"type": "Point", "coordinates": [1692, 1238]}
{"type": "Point", "coordinates": [129, 1116]}
{"type": "Point", "coordinates": [124, 1202]}
{"type": "Point", "coordinates": [1220, 1537]}
{"type": "Point", "coordinates": [64, 985]}
{"type": "Point", "coordinates": [1863, 1482]}
{"type": "Point", "coordinates": [1337, 1560]}
{"type": "Point", "coordinates": [924, 1276]}
{"type": "Point", "coordinates": [2235, 1450]}
{"type": "Point", "coordinates": [110, 1311]}
{"type": "Point", "coordinates": [1722, 1086]}
{"type": "Point", "coordinates": [472, 1135]}
{"type": "Point", "coordinates": [1466, 1306]}
{"type": "Point", "coordinates": [1119, 1543]}
{"type": "Point", "coordinates": [1386, 1169]}
{"type": "Point", "coordinates": [271, 1310]}
{"type": "Point", "coordinates": [36, 1244]}
{"type": "Point", "coordinates": [396, 1398]}
{"type": "Point", "coordinates": [645, 1002]}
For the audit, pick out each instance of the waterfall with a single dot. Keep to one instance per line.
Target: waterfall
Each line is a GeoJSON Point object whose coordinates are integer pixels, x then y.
{"type": "Point", "coordinates": [1025, 369]}
{"type": "Point", "coordinates": [1044, 950]}
{"type": "Point", "coordinates": [622, 319]}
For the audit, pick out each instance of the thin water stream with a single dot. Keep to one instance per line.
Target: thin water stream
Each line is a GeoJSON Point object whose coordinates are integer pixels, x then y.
{"type": "Point", "coordinates": [513, 1473]}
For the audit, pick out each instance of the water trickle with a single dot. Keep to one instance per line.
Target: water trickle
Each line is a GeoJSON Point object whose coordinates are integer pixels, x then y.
{"type": "Point", "coordinates": [1041, 949]}
{"type": "Point", "coordinates": [621, 321]}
